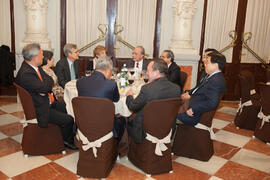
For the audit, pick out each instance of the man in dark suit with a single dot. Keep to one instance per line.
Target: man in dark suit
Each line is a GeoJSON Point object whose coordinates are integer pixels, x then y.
{"type": "Point", "coordinates": [100, 85]}
{"type": "Point", "coordinates": [32, 78]}
{"type": "Point", "coordinates": [67, 68]}
{"type": "Point", "coordinates": [174, 69]}
{"type": "Point", "coordinates": [206, 97]}
{"type": "Point", "coordinates": [138, 62]}
{"type": "Point", "coordinates": [203, 77]}
{"type": "Point", "coordinates": [158, 88]}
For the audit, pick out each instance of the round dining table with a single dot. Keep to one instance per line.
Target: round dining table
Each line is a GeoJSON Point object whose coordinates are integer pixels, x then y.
{"type": "Point", "coordinates": [70, 91]}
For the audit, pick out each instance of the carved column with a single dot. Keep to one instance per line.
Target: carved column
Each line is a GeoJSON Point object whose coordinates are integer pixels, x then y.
{"type": "Point", "coordinates": [183, 11]}
{"type": "Point", "coordinates": [36, 23]}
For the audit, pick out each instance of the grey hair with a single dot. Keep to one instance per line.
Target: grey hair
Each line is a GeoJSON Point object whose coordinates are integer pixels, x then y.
{"type": "Point", "coordinates": [103, 63]}
{"type": "Point", "coordinates": [68, 48]}
{"type": "Point", "coordinates": [30, 50]}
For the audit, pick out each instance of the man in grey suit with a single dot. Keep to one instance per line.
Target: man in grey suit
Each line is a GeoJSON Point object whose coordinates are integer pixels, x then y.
{"type": "Point", "coordinates": [138, 62]}
{"type": "Point", "coordinates": [159, 87]}
{"type": "Point", "coordinates": [67, 68]}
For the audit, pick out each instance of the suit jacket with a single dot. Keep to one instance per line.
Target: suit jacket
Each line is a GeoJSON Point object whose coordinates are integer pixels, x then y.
{"type": "Point", "coordinates": [97, 85]}
{"type": "Point", "coordinates": [174, 74]}
{"type": "Point", "coordinates": [158, 89]}
{"type": "Point", "coordinates": [207, 96]}
{"type": "Point", "coordinates": [130, 64]}
{"type": "Point", "coordinates": [202, 79]}
{"type": "Point", "coordinates": [62, 71]}
{"type": "Point", "coordinates": [27, 78]}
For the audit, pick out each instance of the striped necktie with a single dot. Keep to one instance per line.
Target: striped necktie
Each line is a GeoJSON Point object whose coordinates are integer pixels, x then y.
{"type": "Point", "coordinates": [51, 98]}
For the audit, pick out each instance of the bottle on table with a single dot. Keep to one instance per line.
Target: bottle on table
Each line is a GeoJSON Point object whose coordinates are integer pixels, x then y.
{"type": "Point", "coordinates": [123, 77]}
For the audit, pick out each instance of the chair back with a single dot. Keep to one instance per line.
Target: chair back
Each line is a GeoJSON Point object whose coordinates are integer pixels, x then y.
{"type": "Point", "coordinates": [183, 76]}
{"type": "Point", "coordinates": [159, 115]}
{"type": "Point", "coordinates": [265, 98]}
{"type": "Point", "coordinates": [27, 102]}
{"type": "Point", "coordinates": [94, 116]}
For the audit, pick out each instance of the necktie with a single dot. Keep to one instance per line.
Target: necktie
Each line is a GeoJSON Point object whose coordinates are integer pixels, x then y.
{"type": "Point", "coordinates": [72, 72]}
{"type": "Point", "coordinates": [137, 65]}
{"type": "Point", "coordinates": [51, 98]}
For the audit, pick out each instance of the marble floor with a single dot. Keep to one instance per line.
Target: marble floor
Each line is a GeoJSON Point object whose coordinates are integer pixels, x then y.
{"type": "Point", "coordinates": [237, 156]}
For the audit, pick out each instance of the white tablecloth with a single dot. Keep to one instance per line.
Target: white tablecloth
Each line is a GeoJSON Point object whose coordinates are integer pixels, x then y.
{"type": "Point", "coordinates": [121, 108]}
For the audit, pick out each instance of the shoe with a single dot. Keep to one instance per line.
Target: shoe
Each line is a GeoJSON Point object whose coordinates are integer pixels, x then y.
{"type": "Point", "coordinates": [70, 145]}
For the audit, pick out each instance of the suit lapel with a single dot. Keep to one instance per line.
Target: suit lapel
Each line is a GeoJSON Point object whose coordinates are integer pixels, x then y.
{"type": "Point", "coordinates": [67, 68]}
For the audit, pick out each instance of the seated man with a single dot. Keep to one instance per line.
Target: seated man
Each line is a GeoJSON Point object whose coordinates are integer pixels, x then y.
{"type": "Point", "coordinates": [138, 62]}
{"type": "Point", "coordinates": [159, 87]}
{"type": "Point", "coordinates": [203, 77]}
{"type": "Point", "coordinates": [99, 85]}
{"type": "Point", "coordinates": [174, 69]}
{"type": "Point", "coordinates": [67, 68]}
{"type": "Point", "coordinates": [207, 95]}
{"type": "Point", "coordinates": [33, 79]}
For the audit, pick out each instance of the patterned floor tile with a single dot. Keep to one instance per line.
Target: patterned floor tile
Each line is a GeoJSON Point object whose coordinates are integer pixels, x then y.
{"type": "Point", "coordinates": [232, 104]}
{"type": "Point", "coordinates": [224, 116]}
{"type": "Point", "coordinates": [235, 171]}
{"type": "Point", "coordinates": [2, 112]}
{"type": "Point", "coordinates": [8, 146]}
{"type": "Point", "coordinates": [219, 124]}
{"type": "Point", "coordinates": [252, 159]}
{"type": "Point", "coordinates": [231, 138]}
{"type": "Point", "coordinates": [121, 172]}
{"type": "Point", "coordinates": [2, 136]}
{"type": "Point", "coordinates": [3, 176]}
{"type": "Point", "coordinates": [10, 108]}
{"type": "Point", "coordinates": [258, 146]}
{"type": "Point", "coordinates": [69, 162]}
{"type": "Point", "coordinates": [231, 127]}
{"type": "Point", "coordinates": [19, 114]}
{"type": "Point", "coordinates": [18, 164]}
{"type": "Point", "coordinates": [7, 119]}
{"type": "Point", "coordinates": [183, 172]}
{"type": "Point", "coordinates": [60, 155]}
{"type": "Point", "coordinates": [224, 150]}
{"type": "Point", "coordinates": [228, 110]}
{"type": "Point", "coordinates": [12, 129]}
{"type": "Point", "coordinates": [209, 167]}
{"type": "Point", "coordinates": [47, 171]}
{"type": "Point", "coordinates": [18, 138]}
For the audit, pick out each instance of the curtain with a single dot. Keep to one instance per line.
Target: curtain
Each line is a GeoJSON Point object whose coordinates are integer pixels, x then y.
{"type": "Point", "coordinates": [258, 23]}
{"type": "Point", "coordinates": [5, 31]}
{"type": "Point", "coordinates": [83, 18]}
{"type": "Point", "coordinates": [220, 19]}
{"type": "Point", "coordinates": [138, 19]}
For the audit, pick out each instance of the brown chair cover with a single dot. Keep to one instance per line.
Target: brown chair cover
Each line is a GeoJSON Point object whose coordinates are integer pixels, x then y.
{"type": "Point", "coordinates": [264, 132]}
{"type": "Point", "coordinates": [36, 140]}
{"type": "Point", "coordinates": [159, 116]}
{"type": "Point", "coordinates": [267, 75]}
{"type": "Point", "coordinates": [94, 118]}
{"type": "Point", "coordinates": [183, 76]}
{"type": "Point", "coordinates": [247, 118]}
{"type": "Point", "coordinates": [195, 143]}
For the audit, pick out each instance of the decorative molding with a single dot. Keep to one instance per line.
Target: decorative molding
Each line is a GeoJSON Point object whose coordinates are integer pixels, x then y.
{"type": "Point", "coordinates": [36, 23]}
{"type": "Point", "coordinates": [183, 12]}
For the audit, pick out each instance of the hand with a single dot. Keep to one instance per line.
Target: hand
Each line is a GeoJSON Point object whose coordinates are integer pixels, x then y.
{"type": "Point", "coordinates": [185, 96]}
{"type": "Point", "coordinates": [189, 112]}
{"type": "Point", "coordinates": [130, 92]}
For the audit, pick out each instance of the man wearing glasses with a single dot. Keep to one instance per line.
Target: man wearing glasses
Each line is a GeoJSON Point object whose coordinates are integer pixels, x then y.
{"type": "Point", "coordinates": [203, 77]}
{"type": "Point", "coordinates": [67, 69]}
